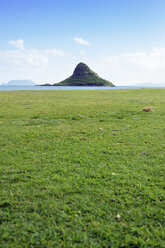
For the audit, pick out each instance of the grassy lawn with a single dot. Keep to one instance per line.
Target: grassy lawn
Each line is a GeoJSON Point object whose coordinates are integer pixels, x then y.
{"type": "Point", "coordinates": [68, 181]}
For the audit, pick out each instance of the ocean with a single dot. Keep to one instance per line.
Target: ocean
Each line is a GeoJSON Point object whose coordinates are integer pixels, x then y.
{"type": "Point", "coordinates": [24, 87]}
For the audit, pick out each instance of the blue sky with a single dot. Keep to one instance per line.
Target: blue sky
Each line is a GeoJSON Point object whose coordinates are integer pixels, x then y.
{"type": "Point", "coordinates": [122, 40]}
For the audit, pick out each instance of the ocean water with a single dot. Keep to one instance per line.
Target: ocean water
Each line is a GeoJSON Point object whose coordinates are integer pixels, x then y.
{"type": "Point", "coordinates": [24, 87]}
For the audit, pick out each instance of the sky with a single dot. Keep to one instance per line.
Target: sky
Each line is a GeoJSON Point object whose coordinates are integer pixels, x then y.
{"type": "Point", "coordinates": [123, 41]}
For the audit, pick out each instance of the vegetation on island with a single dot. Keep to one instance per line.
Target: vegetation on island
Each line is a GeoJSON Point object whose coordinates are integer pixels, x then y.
{"type": "Point", "coordinates": [84, 76]}
{"type": "Point", "coordinates": [82, 169]}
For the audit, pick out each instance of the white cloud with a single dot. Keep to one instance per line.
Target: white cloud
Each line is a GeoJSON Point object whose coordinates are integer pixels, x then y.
{"type": "Point", "coordinates": [56, 52]}
{"type": "Point", "coordinates": [133, 68]}
{"type": "Point", "coordinates": [19, 58]}
{"type": "Point", "coordinates": [17, 43]}
{"type": "Point", "coordinates": [29, 63]}
{"type": "Point", "coordinates": [32, 57]}
{"type": "Point", "coordinates": [54, 65]}
{"type": "Point", "coordinates": [81, 41]}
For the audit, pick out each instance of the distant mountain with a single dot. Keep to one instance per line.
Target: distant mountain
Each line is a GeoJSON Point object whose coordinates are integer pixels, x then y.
{"type": "Point", "coordinates": [21, 82]}
{"type": "Point", "coordinates": [84, 76]}
{"type": "Point", "coordinates": [152, 84]}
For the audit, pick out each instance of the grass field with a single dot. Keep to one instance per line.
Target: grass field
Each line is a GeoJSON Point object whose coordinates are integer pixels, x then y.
{"type": "Point", "coordinates": [68, 181]}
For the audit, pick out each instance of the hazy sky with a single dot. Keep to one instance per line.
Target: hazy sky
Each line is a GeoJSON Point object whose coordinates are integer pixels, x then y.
{"type": "Point", "coordinates": [122, 40]}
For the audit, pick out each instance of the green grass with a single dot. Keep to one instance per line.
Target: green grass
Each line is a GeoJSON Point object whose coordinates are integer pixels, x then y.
{"type": "Point", "coordinates": [65, 182]}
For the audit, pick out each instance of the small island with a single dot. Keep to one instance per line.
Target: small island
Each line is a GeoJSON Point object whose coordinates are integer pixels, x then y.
{"type": "Point", "coordinates": [83, 76]}
{"type": "Point", "coordinates": [20, 82]}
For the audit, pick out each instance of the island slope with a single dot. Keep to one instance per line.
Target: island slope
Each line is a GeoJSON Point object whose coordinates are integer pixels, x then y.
{"type": "Point", "coordinates": [84, 76]}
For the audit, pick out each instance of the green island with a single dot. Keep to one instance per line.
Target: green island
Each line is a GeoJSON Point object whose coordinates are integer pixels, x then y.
{"type": "Point", "coordinates": [83, 76]}
{"type": "Point", "coordinates": [82, 168]}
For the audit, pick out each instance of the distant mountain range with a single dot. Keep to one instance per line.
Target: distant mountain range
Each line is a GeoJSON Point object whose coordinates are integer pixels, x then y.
{"type": "Point", "coordinates": [20, 82]}
{"type": "Point", "coordinates": [152, 84]}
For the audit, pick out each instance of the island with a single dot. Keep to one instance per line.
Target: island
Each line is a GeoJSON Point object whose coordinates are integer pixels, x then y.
{"type": "Point", "coordinates": [83, 76]}
{"type": "Point", "coordinates": [20, 82]}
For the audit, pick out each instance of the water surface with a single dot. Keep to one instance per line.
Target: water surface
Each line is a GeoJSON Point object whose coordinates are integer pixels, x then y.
{"type": "Point", "coordinates": [24, 87]}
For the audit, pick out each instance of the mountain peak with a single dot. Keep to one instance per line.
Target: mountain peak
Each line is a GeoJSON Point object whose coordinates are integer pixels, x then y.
{"type": "Point", "coordinates": [84, 76]}
{"type": "Point", "coordinates": [81, 69]}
